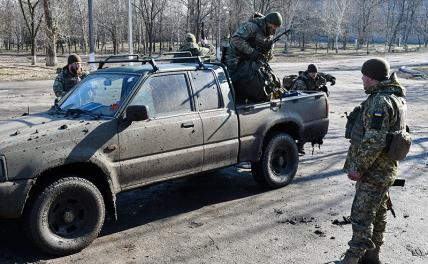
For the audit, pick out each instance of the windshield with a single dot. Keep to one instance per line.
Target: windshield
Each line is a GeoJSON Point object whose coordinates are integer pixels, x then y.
{"type": "Point", "coordinates": [100, 94]}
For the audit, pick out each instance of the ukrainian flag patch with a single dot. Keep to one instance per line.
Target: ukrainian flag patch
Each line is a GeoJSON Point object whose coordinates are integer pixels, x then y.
{"type": "Point", "coordinates": [377, 120]}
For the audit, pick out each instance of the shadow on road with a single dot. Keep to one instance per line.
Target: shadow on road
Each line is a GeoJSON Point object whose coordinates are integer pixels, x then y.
{"type": "Point", "coordinates": [142, 206]}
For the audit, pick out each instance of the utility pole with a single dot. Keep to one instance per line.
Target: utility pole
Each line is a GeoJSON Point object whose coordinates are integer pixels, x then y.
{"type": "Point", "coordinates": [131, 48]}
{"type": "Point", "coordinates": [218, 32]}
{"type": "Point", "coordinates": [91, 37]}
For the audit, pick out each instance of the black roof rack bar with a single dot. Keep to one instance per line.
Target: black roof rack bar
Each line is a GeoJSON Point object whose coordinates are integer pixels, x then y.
{"type": "Point", "coordinates": [143, 61]}
{"type": "Point", "coordinates": [185, 53]}
{"type": "Point", "coordinates": [152, 61]}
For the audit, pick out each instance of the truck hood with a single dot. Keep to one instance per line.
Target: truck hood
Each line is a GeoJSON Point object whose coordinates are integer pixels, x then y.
{"type": "Point", "coordinates": [24, 132]}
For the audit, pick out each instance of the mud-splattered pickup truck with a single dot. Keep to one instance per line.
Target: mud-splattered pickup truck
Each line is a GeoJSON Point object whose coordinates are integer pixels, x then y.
{"type": "Point", "coordinates": [124, 127]}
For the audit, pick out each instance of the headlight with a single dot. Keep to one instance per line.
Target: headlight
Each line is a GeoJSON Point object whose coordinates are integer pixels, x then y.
{"type": "Point", "coordinates": [3, 173]}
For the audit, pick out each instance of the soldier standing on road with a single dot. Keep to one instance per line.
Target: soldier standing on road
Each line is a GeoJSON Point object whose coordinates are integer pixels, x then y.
{"type": "Point", "coordinates": [368, 164]}
{"type": "Point", "coordinates": [252, 40]}
{"type": "Point", "coordinates": [70, 75]}
{"type": "Point", "coordinates": [312, 80]}
{"type": "Point", "coordinates": [191, 45]}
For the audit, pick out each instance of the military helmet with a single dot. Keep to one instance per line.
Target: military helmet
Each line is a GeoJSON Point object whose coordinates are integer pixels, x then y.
{"type": "Point", "coordinates": [190, 37]}
{"type": "Point", "coordinates": [73, 58]}
{"type": "Point", "coordinates": [377, 69]}
{"type": "Point", "coordinates": [274, 18]}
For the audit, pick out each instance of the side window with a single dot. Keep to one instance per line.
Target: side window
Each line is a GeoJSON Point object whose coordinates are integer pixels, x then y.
{"type": "Point", "coordinates": [164, 95]}
{"type": "Point", "coordinates": [206, 90]}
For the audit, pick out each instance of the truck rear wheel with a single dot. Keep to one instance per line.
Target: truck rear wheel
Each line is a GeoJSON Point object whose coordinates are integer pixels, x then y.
{"type": "Point", "coordinates": [66, 216]}
{"type": "Point", "coordinates": [278, 163]}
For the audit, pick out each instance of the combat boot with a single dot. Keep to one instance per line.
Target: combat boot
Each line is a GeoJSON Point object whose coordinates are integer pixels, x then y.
{"type": "Point", "coordinates": [349, 259]}
{"type": "Point", "coordinates": [371, 257]}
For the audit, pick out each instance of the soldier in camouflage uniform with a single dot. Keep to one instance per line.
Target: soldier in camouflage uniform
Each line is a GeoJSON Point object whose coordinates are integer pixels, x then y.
{"type": "Point", "coordinates": [368, 164]}
{"type": "Point", "coordinates": [191, 45]}
{"type": "Point", "coordinates": [252, 41]}
{"type": "Point", "coordinates": [70, 75]}
{"type": "Point", "coordinates": [312, 80]}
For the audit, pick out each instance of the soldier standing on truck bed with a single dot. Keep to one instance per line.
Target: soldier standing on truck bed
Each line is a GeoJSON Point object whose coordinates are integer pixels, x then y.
{"type": "Point", "coordinates": [253, 40]}
{"type": "Point", "coordinates": [69, 76]}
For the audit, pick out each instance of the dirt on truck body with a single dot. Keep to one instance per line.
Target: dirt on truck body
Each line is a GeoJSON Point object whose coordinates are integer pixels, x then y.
{"type": "Point", "coordinates": [126, 127]}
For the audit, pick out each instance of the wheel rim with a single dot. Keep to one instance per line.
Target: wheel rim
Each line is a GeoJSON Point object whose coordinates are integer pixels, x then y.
{"type": "Point", "coordinates": [279, 164]}
{"type": "Point", "coordinates": [68, 217]}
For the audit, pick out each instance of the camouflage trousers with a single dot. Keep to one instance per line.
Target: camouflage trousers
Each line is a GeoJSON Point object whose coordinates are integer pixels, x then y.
{"type": "Point", "coordinates": [368, 217]}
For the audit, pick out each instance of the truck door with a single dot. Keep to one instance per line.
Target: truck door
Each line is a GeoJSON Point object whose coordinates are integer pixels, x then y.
{"type": "Point", "coordinates": [219, 119]}
{"type": "Point", "coordinates": [169, 143]}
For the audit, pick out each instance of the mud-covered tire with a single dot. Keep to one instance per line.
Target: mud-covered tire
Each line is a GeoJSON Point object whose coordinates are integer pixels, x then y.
{"type": "Point", "coordinates": [66, 216]}
{"type": "Point", "coordinates": [279, 162]}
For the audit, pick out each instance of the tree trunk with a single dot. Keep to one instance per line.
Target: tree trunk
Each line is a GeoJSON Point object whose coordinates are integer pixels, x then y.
{"type": "Point", "coordinates": [51, 59]}
{"type": "Point", "coordinates": [33, 51]}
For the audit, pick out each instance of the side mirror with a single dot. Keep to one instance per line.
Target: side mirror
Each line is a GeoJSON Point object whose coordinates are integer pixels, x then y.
{"type": "Point", "coordinates": [137, 113]}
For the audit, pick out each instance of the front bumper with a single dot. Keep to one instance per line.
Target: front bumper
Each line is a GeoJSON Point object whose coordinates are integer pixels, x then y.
{"type": "Point", "coordinates": [13, 195]}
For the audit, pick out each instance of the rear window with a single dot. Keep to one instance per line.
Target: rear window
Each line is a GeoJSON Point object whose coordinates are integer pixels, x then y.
{"type": "Point", "coordinates": [206, 90]}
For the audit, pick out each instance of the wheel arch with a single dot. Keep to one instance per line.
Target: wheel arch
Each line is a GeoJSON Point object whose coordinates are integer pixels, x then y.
{"type": "Point", "coordinates": [289, 127]}
{"type": "Point", "coordinates": [85, 170]}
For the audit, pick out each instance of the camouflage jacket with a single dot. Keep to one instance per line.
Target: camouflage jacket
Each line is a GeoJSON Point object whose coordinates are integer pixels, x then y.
{"type": "Point", "coordinates": [305, 83]}
{"type": "Point", "coordinates": [378, 117]}
{"type": "Point", "coordinates": [249, 36]}
{"type": "Point", "coordinates": [65, 81]}
{"type": "Point", "coordinates": [196, 50]}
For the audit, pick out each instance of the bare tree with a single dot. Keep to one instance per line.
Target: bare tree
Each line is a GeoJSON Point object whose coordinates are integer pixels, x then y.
{"type": "Point", "coordinates": [149, 10]}
{"type": "Point", "coordinates": [396, 10]}
{"type": "Point", "coordinates": [410, 20]}
{"type": "Point", "coordinates": [52, 10]}
{"type": "Point", "coordinates": [366, 11]}
{"type": "Point", "coordinates": [33, 19]}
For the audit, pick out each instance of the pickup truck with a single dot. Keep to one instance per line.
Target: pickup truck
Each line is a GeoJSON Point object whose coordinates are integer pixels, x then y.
{"type": "Point", "coordinates": [128, 126]}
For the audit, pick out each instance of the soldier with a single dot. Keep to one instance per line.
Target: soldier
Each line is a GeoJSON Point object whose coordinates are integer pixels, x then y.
{"type": "Point", "coordinates": [368, 163]}
{"type": "Point", "coordinates": [191, 45]}
{"type": "Point", "coordinates": [252, 40]}
{"type": "Point", "coordinates": [69, 76]}
{"type": "Point", "coordinates": [312, 80]}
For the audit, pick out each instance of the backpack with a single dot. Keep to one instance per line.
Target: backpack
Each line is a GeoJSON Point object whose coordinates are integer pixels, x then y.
{"type": "Point", "coordinates": [288, 81]}
{"type": "Point", "coordinates": [255, 81]}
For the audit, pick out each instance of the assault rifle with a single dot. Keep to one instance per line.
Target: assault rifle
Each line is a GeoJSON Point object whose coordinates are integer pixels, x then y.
{"type": "Point", "coordinates": [397, 182]}
{"type": "Point", "coordinates": [286, 32]}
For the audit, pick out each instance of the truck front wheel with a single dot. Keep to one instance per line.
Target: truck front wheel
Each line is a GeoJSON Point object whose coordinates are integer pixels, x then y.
{"type": "Point", "coordinates": [66, 216]}
{"type": "Point", "coordinates": [278, 163]}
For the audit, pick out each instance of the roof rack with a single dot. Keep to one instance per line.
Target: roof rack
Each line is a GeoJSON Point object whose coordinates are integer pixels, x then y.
{"type": "Point", "coordinates": [128, 58]}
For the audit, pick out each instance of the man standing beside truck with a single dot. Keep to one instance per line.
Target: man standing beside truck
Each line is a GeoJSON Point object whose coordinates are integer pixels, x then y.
{"type": "Point", "coordinates": [69, 76]}
{"type": "Point", "coordinates": [372, 159]}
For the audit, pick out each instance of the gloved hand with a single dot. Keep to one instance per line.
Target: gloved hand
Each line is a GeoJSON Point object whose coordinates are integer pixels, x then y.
{"type": "Point", "coordinates": [332, 81]}
{"type": "Point", "coordinates": [325, 90]}
{"type": "Point", "coordinates": [256, 55]}
{"type": "Point", "coordinates": [267, 46]}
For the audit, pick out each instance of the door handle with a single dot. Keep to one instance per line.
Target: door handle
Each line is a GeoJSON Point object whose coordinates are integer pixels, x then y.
{"type": "Point", "coordinates": [187, 124]}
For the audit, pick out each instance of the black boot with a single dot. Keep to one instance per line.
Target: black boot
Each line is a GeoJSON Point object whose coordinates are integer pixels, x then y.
{"type": "Point", "coordinates": [349, 259]}
{"type": "Point", "coordinates": [371, 257]}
